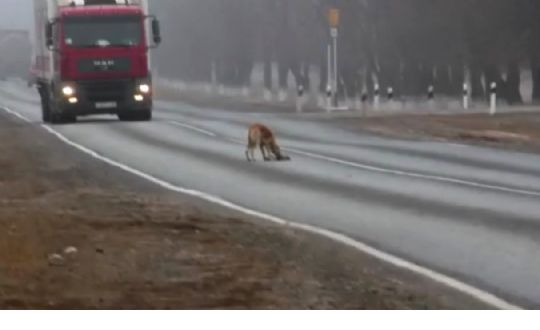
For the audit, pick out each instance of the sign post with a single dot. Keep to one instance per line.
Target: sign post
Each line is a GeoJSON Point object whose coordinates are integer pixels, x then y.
{"type": "Point", "coordinates": [333, 20]}
{"type": "Point", "coordinates": [330, 83]}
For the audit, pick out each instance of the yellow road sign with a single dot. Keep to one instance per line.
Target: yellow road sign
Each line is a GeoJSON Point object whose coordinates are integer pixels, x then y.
{"type": "Point", "coordinates": [333, 17]}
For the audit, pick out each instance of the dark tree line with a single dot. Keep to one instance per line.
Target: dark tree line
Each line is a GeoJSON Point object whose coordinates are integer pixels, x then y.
{"type": "Point", "coordinates": [406, 44]}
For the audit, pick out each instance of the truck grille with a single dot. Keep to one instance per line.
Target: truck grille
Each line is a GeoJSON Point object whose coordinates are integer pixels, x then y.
{"type": "Point", "coordinates": [92, 65]}
{"type": "Point", "coordinates": [103, 91]}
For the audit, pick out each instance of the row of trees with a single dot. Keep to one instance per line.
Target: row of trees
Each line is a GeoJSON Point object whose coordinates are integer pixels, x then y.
{"type": "Point", "coordinates": [14, 44]}
{"type": "Point", "coordinates": [406, 44]}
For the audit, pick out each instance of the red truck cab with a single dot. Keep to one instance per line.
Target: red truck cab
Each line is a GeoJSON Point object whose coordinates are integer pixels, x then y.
{"type": "Point", "coordinates": [98, 63]}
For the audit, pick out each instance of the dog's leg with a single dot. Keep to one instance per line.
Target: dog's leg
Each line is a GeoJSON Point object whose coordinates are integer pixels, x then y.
{"type": "Point", "coordinates": [276, 156]}
{"type": "Point", "coordinates": [264, 153]}
{"type": "Point", "coordinates": [250, 150]}
{"type": "Point", "coordinates": [273, 149]}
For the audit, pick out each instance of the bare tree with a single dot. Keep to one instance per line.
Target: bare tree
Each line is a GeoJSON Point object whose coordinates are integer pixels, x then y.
{"type": "Point", "coordinates": [405, 44]}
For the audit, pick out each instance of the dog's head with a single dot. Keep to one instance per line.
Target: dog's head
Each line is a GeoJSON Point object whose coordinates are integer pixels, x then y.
{"type": "Point", "coordinates": [276, 150]}
{"type": "Point", "coordinates": [283, 158]}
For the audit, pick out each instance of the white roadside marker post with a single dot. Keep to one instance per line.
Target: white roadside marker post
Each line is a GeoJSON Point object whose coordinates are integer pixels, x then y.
{"type": "Point", "coordinates": [431, 97]}
{"type": "Point", "coordinates": [245, 92]}
{"type": "Point", "coordinates": [364, 101]}
{"type": "Point", "coordinates": [466, 96]}
{"type": "Point", "coordinates": [282, 95]}
{"type": "Point", "coordinates": [267, 95]}
{"type": "Point", "coordinates": [431, 93]}
{"type": "Point", "coordinates": [493, 99]}
{"type": "Point", "coordinates": [300, 98]}
{"type": "Point", "coordinates": [376, 97]}
{"type": "Point", "coordinates": [213, 78]}
{"type": "Point", "coordinates": [390, 93]}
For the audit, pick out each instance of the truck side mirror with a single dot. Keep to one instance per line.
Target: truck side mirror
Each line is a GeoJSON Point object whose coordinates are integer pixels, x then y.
{"type": "Point", "coordinates": [49, 41]}
{"type": "Point", "coordinates": [156, 31]}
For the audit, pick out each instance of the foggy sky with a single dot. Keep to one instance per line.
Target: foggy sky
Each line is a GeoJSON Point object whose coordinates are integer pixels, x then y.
{"type": "Point", "coordinates": [15, 14]}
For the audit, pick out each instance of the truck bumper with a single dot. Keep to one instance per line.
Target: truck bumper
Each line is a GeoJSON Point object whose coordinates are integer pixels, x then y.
{"type": "Point", "coordinates": [104, 97]}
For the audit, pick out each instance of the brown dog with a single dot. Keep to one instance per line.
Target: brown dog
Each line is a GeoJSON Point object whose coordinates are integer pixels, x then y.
{"type": "Point", "coordinates": [263, 137]}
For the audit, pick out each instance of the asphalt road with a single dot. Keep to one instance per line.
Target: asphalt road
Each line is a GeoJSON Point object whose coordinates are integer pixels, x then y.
{"type": "Point", "coordinates": [469, 212]}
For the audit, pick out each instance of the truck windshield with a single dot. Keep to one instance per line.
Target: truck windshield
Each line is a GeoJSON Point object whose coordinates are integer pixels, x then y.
{"type": "Point", "coordinates": [102, 31]}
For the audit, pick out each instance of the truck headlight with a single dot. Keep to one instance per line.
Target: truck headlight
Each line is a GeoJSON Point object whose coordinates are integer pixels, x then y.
{"type": "Point", "coordinates": [144, 88]}
{"type": "Point", "coordinates": [68, 91]}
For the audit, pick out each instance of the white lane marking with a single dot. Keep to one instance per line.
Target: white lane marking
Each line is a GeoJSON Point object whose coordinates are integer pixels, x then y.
{"type": "Point", "coordinates": [193, 128]}
{"type": "Point", "coordinates": [414, 175]}
{"type": "Point", "coordinates": [16, 114]}
{"type": "Point", "coordinates": [395, 172]}
{"type": "Point", "coordinates": [480, 295]}
{"type": "Point", "coordinates": [456, 145]}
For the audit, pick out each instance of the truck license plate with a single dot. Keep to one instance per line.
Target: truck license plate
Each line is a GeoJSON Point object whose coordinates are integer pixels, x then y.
{"type": "Point", "coordinates": [106, 105]}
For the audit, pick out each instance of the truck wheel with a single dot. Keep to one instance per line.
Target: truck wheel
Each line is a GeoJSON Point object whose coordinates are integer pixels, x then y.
{"type": "Point", "coordinates": [144, 116]}
{"type": "Point", "coordinates": [57, 117]}
{"type": "Point", "coordinates": [45, 109]}
{"type": "Point", "coordinates": [62, 118]}
{"type": "Point", "coordinates": [45, 113]}
{"type": "Point", "coordinates": [70, 119]}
